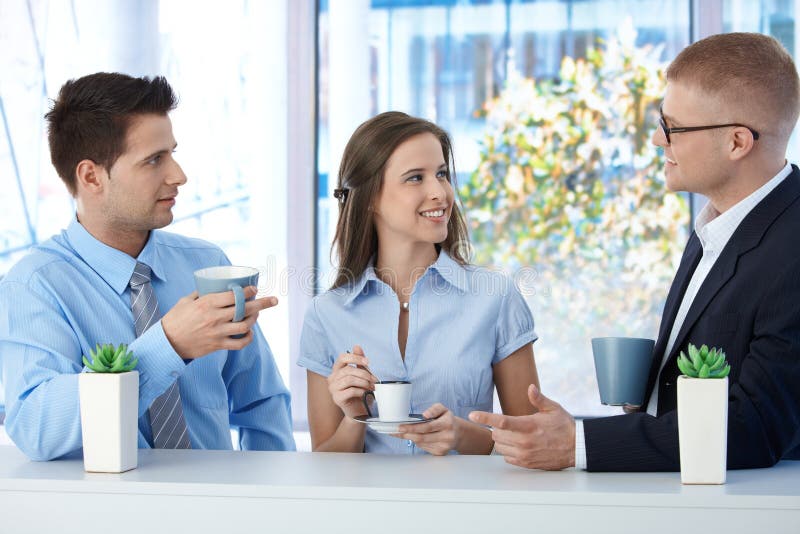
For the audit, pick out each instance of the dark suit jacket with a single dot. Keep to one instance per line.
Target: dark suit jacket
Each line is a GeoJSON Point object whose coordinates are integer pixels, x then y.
{"type": "Point", "coordinates": [748, 305]}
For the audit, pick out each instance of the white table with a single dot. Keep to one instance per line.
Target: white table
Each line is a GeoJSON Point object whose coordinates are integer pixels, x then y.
{"type": "Point", "coordinates": [221, 491]}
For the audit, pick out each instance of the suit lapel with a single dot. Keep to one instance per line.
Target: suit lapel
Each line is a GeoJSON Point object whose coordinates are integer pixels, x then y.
{"type": "Point", "coordinates": [717, 277]}
{"type": "Point", "coordinates": [691, 257]}
{"type": "Point", "coordinates": [746, 237]}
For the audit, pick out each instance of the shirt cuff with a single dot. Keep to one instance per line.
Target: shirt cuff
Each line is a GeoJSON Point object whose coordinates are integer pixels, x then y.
{"type": "Point", "coordinates": [580, 446]}
{"type": "Point", "coordinates": [159, 365]}
{"type": "Point", "coordinates": [314, 365]}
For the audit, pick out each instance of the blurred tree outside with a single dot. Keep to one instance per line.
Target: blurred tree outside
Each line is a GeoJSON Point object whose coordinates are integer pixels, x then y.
{"type": "Point", "coordinates": [569, 195]}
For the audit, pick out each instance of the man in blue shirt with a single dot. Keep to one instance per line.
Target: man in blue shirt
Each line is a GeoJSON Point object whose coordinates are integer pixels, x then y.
{"type": "Point", "coordinates": [111, 142]}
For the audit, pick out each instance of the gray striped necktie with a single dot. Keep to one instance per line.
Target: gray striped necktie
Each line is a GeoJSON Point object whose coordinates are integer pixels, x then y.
{"type": "Point", "coordinates": [166, 414]}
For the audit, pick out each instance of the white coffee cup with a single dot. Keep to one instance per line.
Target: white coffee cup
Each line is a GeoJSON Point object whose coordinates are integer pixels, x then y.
{"type": "Point", "coordinates": [393, 399]}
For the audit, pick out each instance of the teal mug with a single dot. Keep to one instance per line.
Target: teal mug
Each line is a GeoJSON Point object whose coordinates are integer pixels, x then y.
{"type": "Point", "coordinates": [227, 278]}
{"type": "Point", "coordinates": [622, 365]}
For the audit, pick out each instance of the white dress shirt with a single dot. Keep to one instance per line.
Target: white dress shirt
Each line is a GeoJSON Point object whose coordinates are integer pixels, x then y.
{"type": "Point", "coordinates": [714, 229]}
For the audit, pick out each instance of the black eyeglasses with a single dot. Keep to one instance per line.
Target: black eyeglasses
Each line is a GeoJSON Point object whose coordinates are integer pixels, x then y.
{"type": "Point", "coordinates": [668, 131]}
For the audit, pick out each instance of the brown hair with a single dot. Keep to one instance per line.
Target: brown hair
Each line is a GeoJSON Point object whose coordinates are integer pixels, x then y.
{"type": "Point", "coordinates": [90, 118]}
{"type": "Point", "coordinates": [753, 72]}
{"type": "Point", "coordinates": [360, 180]}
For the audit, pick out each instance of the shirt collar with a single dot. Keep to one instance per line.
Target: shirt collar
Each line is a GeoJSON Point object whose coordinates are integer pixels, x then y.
{"type": "Point", "coordinates": [358, 287]}
{"type": "Point", "coordinates": [451, 271]}
{"type": "Point", "coordinates": [714, 229]}
{"type": "Point", "coordinates": [113, 266]}
{"type": "Point", "coordinates": [150, 256]}
{"type": "Point", "coordinates": [446, 267]}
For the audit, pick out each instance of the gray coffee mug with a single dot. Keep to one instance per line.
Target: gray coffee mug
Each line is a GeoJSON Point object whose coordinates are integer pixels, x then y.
{"type": "Point", "coordinates": [227, 278]}
{"type": "Point", "coordinates": [622, 365]}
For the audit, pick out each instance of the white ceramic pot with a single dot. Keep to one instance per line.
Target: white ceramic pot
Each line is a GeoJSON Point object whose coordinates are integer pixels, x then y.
{"type": "Point", "coordinates": [109, 413]}
{"type": "Point", "coordinates": [703, 429]}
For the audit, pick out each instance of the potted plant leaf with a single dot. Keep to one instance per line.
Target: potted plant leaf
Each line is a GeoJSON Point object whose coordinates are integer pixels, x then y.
{"type": "Point", "coordinates": [109, 401]}
{"type": "Point", "coordinates": [703, 415]}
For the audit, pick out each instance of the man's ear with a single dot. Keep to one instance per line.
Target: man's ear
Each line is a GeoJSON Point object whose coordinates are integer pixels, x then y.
{"type": "Point", "coordinates": [90, 177]}
{"type": "Point", "coordinates": [741, 143]}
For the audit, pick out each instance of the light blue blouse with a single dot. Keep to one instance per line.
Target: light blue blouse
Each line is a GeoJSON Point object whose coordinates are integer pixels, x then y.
{"type": "Point", "coordinates": [462, 320]}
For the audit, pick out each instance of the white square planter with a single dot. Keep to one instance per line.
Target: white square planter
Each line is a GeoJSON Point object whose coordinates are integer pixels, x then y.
{"type": "Point", "coordinates": [703, 429]}
{"type": "Point", "coordinates": [109, 413]}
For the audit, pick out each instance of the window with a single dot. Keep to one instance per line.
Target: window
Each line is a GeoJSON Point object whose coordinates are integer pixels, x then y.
{"type": "Point", "coordinates": [230, 123]}
{"type": "Point", "coordinates": [455, 62]}
{"type": "Point", "coordinates": [550, 105]}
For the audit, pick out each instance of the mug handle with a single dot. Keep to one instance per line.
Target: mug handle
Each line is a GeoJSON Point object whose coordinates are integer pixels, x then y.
{"type": "Point", "coordinates": [238, 294]}
{"type": "Point", "coordinates": [366, 405]}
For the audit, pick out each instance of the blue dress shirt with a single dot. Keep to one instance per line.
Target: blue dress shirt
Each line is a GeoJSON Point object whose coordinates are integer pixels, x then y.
{"type": "Point", "coordinates": [462, 321]}
{"type": "Point", "coordinates": [72, 292]}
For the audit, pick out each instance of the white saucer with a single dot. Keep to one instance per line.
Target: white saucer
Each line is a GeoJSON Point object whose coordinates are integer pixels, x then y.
{"type": "Point", "coordinates": [389, 427]}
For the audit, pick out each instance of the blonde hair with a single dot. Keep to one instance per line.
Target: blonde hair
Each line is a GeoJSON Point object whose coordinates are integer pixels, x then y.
{"type": "Point", "coordinates": [752, 73]}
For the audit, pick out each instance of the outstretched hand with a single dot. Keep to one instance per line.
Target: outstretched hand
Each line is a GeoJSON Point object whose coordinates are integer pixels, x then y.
{"type": "Point", "coordinates": [544, 440]}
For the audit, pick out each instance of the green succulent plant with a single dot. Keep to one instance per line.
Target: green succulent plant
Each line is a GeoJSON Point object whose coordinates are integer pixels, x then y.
{"type": "Point", "coordinates": [110, 359]}
{"type": "Point", "coordinates": [704, 363]}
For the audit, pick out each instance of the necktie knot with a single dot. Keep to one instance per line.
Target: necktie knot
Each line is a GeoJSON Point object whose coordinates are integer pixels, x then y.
{"type": "Point", "coordinates": [144, 303]}
{"type": "Point", "coordinates": [141, 275]}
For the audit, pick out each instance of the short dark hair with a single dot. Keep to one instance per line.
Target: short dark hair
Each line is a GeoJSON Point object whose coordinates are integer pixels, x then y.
{"type": "Point", "coordinates": [90, 118]}
{"type": "Point", "coordinates": [752, 72]}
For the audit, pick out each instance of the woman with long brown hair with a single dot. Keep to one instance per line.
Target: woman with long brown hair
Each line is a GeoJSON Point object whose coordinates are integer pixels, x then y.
{"type": "Point", "coordinates": [407, 306]}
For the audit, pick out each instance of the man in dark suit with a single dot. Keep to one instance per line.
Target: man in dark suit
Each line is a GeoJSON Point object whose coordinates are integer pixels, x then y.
{"type": "Point", "coordinates": [730, 106]}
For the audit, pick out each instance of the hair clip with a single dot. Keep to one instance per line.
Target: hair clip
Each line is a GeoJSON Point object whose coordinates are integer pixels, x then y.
{"type": "Point", "coordinates": [341, 194]}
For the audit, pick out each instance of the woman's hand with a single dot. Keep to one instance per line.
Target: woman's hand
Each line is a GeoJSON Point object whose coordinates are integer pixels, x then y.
{"type": "Point", "coordinates": [347, 383]}
{"type": "Point", "coordinates": [437, 437]}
